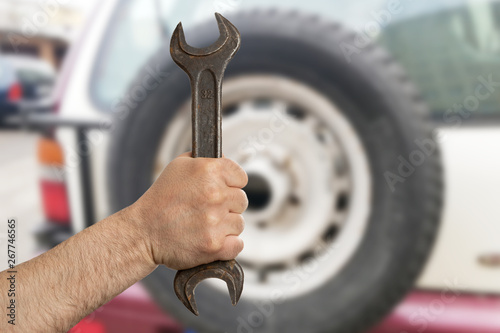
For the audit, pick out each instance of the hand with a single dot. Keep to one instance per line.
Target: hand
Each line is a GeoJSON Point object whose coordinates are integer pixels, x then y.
{"type": "Point", "coordinates": [191, 215]}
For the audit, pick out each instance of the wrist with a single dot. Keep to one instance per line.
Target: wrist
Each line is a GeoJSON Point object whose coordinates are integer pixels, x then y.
{"type": "Point", "coordinates": [139, 245]}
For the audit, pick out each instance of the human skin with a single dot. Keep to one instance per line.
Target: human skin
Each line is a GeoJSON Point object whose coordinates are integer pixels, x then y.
{"type": "Point", "coordinates": [191, 215]}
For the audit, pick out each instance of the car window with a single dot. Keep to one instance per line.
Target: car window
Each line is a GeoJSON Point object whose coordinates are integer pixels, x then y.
{"type": "Point", "coordinates": [453, 55]}
{"type": "Point", "coordinates": [5, 74]}
{"type": "Point", "coordinates": [32, 77]}
{"type": "Point", "coordinates": [131, 38]}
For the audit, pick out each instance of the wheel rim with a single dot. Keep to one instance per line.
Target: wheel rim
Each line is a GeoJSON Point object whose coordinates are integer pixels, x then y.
{"type": "Point", "coordinates": [309, 181]}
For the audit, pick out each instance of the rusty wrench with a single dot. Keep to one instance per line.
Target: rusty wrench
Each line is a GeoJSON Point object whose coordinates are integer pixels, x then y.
{"type": "Point", "coordinates": [205, 68]}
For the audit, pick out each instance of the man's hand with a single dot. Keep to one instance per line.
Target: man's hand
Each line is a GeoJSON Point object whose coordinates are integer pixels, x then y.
{"type": "Point", "coordinates": [190, 216]}
{"type": "Point", "coordinates": [192, 213]}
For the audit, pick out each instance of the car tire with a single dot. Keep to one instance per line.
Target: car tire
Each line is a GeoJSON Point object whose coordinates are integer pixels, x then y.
{"type": "Point", "coordinates": [391, 120]}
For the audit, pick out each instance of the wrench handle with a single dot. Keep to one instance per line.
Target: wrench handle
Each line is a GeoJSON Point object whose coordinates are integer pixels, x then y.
{"type": "Point", "coordinates": [206, 114]}
{"type": "Point", "coordinates": [205, 68]}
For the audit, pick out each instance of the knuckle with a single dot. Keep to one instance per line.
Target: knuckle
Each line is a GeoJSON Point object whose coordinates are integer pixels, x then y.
{"type": "Point", "coordinates": [232, 249]}
{"type": "Point", "coordinates": [239, 246]}
{"type": "Point", "coordinates": [211, 193]}
{"type": "Point", "coordinates": [211, 243]}
{"type": "Point", "coordinates": [244, 177]}
{"type": "Point", "coordinates": [216, 196]}
{"type": "Point", "coordinates": [240, 223]}
{"type": "Point", "coordinates": [211, 167]}
{"type": "Point", "coordinates": [244, 199]}
{"type": "Point", "coordinates": [211, 218]}
{"type": "Point", "coordinates": [239, 174]}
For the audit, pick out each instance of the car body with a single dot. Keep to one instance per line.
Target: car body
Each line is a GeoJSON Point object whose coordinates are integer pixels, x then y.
{"type": "Point", "coordinates": [24, 81]}
{"type": "Point", "coordinates": [101, 65]}
{"type": "Point", "coordinates": [466, 313]}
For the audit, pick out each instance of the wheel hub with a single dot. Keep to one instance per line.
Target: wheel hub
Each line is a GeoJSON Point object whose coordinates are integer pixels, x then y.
{"type": "Point", "coordinates": [282, 216]}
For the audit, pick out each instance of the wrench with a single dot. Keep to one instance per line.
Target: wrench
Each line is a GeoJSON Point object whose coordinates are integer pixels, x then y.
{"type": "Point", "coordinates": [205, 68]}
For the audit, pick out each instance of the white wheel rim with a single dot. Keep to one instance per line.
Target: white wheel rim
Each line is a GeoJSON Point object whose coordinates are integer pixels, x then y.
{"type": "Point", "coordinates": [310, 162]}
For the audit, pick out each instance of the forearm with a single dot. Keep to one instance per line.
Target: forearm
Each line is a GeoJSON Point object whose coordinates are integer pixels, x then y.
{"type": "Point", "coordinates": [60, 287]}
{"type": "Point", "coordinates": [191, 215]}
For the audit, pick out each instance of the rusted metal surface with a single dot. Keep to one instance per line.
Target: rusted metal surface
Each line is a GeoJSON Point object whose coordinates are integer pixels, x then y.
{"type": "Point", "coordinates": [205, 68]}
{"type": "Point", "coordinates": [185, 281]}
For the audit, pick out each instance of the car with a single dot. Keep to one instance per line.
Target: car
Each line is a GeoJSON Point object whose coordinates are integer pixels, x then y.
{"type": "Point", "coordinates": [337, 115]}
{"type": "Point", "coordinates": [24, 82]}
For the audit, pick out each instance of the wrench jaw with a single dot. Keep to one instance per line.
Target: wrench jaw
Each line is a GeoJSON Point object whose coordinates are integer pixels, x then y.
{"type": "Point", "coordinates": [226, 46]}
{"type": "Point", "coordinates": [177, 53]}
{"type": "Point", "coordinates": [186, 281]}
{"type": "Point", "coordinates": [223, 36]}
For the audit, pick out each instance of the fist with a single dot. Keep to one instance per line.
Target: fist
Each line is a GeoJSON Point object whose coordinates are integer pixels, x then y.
{"type": "Point", "coordinates": [191, 215]}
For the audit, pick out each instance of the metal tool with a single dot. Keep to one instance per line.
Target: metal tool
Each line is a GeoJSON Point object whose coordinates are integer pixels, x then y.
{"type": "Point", "coordinates": [205, 68]}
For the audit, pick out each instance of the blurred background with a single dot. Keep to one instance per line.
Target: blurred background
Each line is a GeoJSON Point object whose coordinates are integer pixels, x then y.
{"type": "Point", "coordinates": [369, 129]}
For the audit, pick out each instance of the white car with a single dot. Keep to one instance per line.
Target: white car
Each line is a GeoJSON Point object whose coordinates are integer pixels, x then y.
{"type": "Point", "coordinates": [346, 182]}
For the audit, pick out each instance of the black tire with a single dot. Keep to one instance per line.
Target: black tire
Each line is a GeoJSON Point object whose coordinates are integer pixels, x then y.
{"type": "Point", "coordinates": [388, 115]}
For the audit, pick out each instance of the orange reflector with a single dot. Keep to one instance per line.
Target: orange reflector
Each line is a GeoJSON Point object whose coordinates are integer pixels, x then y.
{"type": "Point", "coordinates": [50, 152]}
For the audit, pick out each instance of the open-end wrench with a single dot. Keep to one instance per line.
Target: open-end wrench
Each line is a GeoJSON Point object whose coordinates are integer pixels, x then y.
{"type": "Point", "coordinates": [205, 68]}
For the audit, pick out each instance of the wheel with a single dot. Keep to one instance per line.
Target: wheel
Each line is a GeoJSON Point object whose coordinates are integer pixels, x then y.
{"type": "Point", "coordinates": [337, 230]}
